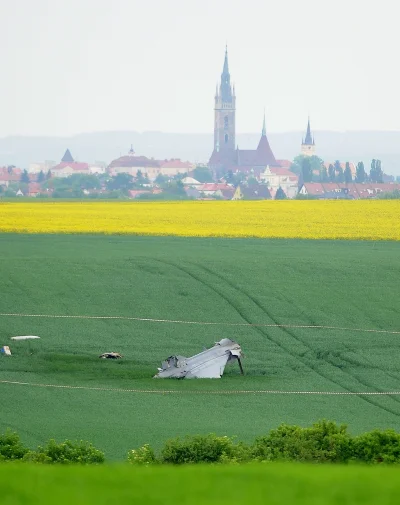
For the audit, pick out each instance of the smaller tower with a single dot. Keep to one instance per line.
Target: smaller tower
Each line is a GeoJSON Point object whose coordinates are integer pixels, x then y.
{"type": "Point", "coordinates": [308, 143]}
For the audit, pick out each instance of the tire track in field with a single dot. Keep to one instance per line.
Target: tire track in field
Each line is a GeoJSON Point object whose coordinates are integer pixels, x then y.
{"type": "Point", "coordinates": [299, 340]}
{"type": "Point", "coordinates": [347, 371]}
{"type": "Point", "coordinates": [263, 333]}
{"type": "Point", "coordinates": [330, 361]}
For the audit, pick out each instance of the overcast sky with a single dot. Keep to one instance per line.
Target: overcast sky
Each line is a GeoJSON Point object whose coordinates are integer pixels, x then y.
{"type": "Point", "coordinates": [71, 66]}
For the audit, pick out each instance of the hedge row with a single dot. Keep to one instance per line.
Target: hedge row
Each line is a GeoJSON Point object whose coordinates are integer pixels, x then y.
{"type": "Point", "coordinates": [323, 442]}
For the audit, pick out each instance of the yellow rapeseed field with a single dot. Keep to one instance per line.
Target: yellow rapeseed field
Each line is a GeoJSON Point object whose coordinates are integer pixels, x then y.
{"type": "Point", "coordinates": [366, 220]}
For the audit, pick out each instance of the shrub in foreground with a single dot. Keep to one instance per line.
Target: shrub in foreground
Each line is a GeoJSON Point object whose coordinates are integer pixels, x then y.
{"type": "Point", "coordinates": [11, 447]}
{"type": "Point", "coordinates": [143, 456]}
{"type": "Point", "coordinates": [377, 447]}
{"type": "Point", "coordinates": [66, 452]}
{"type": "Point", "coordinates": [203, 449]}
{"type": "Point", "coordinates": [324, 441]}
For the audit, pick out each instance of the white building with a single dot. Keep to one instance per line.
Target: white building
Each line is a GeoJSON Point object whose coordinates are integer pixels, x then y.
{"type": "Point", "coordinates": [281, 178]}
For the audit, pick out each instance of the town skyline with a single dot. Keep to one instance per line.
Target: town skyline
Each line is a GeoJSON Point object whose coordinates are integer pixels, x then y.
{"type": "Point", "coordinates": [108, 77]}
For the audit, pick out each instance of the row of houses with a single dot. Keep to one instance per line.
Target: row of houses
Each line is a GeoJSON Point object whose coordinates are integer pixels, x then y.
{"type": "Point", "coordinates": [129, 164]}
{"type": "Point", "coordinates": [349, 191]}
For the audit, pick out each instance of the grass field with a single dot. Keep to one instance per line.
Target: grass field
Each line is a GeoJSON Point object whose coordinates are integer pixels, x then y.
{"type": "Point", "coordinates": [334, 219]}
{"type": "Point", "coordinates": [275, 484]}
{"type": "Point", "coordinates": [329, 283]}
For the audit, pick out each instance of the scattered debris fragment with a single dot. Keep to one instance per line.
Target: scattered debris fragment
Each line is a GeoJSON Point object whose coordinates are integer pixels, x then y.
{"type": "Point", "coordinates": [209, 364]}
{"type": "Point", "coordinates": [27, 337]}
{"type": "Point", "coordinates": [5, 350]}
{"type": "Point", "coordinates": [111, 355]}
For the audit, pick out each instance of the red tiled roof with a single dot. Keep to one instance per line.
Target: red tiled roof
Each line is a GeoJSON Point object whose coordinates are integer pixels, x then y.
{"type": "Point", "coordinates": [355, 190]}
{"type": "Point", "coordinates": [134, 161]}
{"type": "Point", "coordinates": [135, 193]}
{"type": "Point", "coordinates": [34, 187]}
{"type": "Point", "coordinates": [176, 164]}
{"type": "Point", "coordinates": [209, 186]}
{"type": "Point", "coordinates": [285, 163]}
{"type": "Point", "coordinates": [284, 171]}
{"type": "Point", "coordinates": [75, 166]}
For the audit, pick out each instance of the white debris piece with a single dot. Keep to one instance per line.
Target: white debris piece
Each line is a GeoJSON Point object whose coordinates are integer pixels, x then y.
{"type": "Point", "coordinates": [209, 364]}
{"type": "Point", "coordinates": [27, 337]}
{"type": "Point", "coordinates": [6, 350]}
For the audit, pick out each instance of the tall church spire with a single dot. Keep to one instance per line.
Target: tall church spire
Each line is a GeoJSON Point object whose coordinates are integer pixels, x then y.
{"type": "Point", "coordinates": [226, 65]}
{"type": "Point", "coordinates": [264, 129]}
{"type": "Point", "coordinates": [226, 89]}
{"type": "Point", "coordinates": [308, 143]}
{"type": "Point", "coordinates": [308, 140]}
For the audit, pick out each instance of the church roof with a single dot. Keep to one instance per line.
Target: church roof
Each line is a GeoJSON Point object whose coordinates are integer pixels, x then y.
{"type": "Point", "coordinates": [308, 141]}
{"type": "Point", "coordinates": [67, 158]}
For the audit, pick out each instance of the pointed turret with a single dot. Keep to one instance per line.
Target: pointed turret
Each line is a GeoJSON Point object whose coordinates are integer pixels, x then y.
{"type": "Point", "coordinates": [264, 129]}
{"type": "Point", "coordinates": [308, 140]}
{"type": "Point", "coordinates": [67, 158]}
{"type": "Point", "coordinates": [308, 143]}
{"type": "Point", "coordinates": [264, 155]}
{"type": "Point", "coordinates": [226, 89]}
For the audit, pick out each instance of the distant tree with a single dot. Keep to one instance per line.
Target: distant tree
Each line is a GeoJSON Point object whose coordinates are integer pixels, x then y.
{"type": "Point", "coordinates": [83, 181]}
{"type": "Point", "coordinates": [234, 179]}
{"type": "Point", "coordinates": [161, 179]}
{"type": "Point", "coordinates": [252, 181]}
{"type": "Point", "coordinates": [121, 182]}
{"type": "Point", "coordinates": [331, 173]}
{"type": "Point", "coordinates": [202, 174]}
{"type": "Point", "coordinates": [297, 164]}
{"type": "Point", "coordinates": [141, 178]}
{"type": "Point", "coordinates": [323, 174]}
{"type": "Point", "coordinates": [339, 174]}
{"type": "Point", "coordinates": [280, 194]}
{"type": "Point", "coordinates": [48, 175]}
{"type": "Point", "coordinates": [41, 177]}
{"type": "Point", "coordinates": [25, 177]}
{"type": "Point", "coordinates": [348, 177]}
{"type": "Point", "coordinates": [306, 169]}
{"type": "Point", "coordinates": [10, 169]}
{"type": "Point", "coordinates": [360, 172]}
{"type": "Point", "coordinates": [376, 173]}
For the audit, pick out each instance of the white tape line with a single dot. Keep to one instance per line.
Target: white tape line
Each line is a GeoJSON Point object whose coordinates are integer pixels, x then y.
{"type": "Point", "coordinates": [220, 392]}
{"type": "Point", "coordinates": [205, 323]}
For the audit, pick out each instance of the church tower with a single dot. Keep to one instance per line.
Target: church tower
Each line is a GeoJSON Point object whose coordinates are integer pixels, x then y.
{"type": "Point", "coordinates": [225, 109]}
{"type": "Point", "coordinates": [308, 143]}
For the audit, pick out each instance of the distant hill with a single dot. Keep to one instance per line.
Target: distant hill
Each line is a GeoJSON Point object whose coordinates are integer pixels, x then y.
{"type": "Point", "coordinates": [106, 146]}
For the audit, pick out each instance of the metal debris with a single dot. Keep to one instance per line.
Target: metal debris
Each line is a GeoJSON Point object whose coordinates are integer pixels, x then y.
{"type": "Point", "coordinates": [209, 364]}
{"type": "Point", "coordinates": [111, 355]}
{"type": "Point", "coordinates": [5, 350]}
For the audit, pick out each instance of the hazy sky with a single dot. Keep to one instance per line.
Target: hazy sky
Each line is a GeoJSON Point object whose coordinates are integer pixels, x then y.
{"type": "Point", "coordinates": [71, 66]}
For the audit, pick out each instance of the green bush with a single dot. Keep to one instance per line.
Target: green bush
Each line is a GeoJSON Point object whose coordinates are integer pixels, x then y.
{"type": "Point", "coordinates": [11, 447]}
{"type": "Point", "coordinates": [203, 449]}
{"type": "Point", "coordinates": [66, 452]}
{"type": "Point", "coordinates": [143, 456]}
{"type": "Point", "coordinates": [324, 442]}
{"type": "Point", "coordinates": [377, 447]}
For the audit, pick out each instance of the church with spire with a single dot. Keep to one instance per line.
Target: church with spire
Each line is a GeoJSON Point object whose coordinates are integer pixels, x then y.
{"type": "Point", "coordinates": [226, 154]}
{"type": "Point", "coordinates": [308, 143]}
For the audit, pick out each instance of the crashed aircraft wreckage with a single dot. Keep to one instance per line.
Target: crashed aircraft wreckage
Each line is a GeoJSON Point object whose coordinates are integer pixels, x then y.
{"type": "Point", "coordinates": [209, 364]}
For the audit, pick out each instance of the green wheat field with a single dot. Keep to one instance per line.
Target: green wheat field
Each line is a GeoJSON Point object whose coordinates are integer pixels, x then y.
{"type": "Point", "coordinates": [270, 282]}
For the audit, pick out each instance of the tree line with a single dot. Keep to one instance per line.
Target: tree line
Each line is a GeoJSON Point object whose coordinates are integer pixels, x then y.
{"type": "Point", "coordinates": [313, 169]}
{"type": "Point", "coordinates": [323, 442]}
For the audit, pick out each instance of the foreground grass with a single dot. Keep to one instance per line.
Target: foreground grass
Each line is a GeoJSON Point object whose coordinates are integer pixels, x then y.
{"type": "Point", "coordinates": [275, 484]}
{"type": "Point", "coordinates": [368, 220]}
{"type": "Point", "coordinates": [342, 283]}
